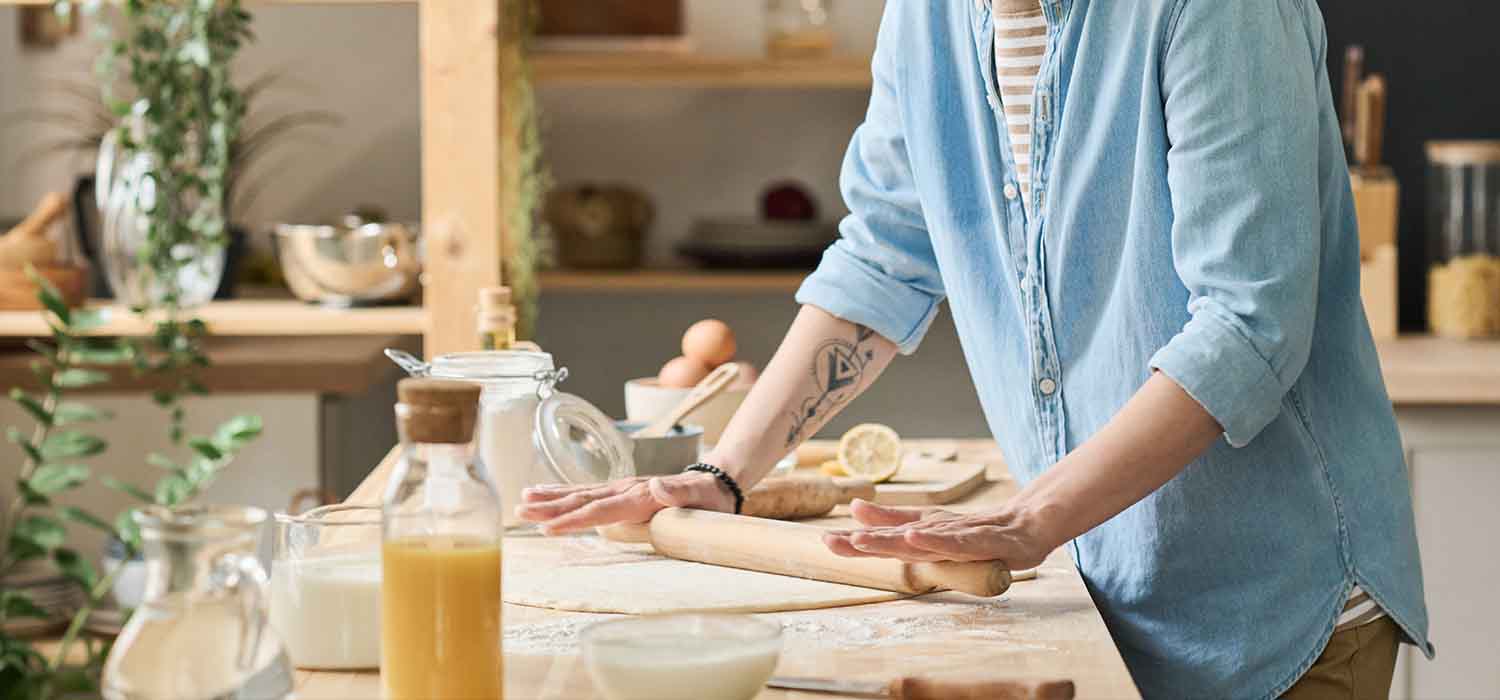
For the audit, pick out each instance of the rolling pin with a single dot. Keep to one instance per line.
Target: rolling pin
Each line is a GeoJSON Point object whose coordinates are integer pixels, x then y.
{"type": "Point", "coordinates": [795, 549]}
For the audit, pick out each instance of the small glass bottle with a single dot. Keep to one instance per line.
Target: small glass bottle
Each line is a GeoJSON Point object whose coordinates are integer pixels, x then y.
{"type": "Point", "coordinates": [440, 554]}
{"type": "Point", "coordinates": [496, 320]}
{"type": "Point", "coordinates": [1463, 229]}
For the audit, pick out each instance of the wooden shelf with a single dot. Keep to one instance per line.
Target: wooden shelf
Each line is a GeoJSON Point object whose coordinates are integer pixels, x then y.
{"type": "Point", "coordinates": [247, 318]}
{"type": "Point", "coordinates": [330, 365]}
{"type": "Point", "coordinates": [671, 281]}
{"type": "Point", "coordinates": [670, 69]}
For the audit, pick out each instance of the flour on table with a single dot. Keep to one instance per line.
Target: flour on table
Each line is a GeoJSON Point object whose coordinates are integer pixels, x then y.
{"type": "Point", "coordinates": [661, 585]}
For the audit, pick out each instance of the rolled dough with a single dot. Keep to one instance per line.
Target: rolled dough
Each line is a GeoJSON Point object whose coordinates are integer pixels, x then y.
{"type": "Point", "coordinates": [588, 574]}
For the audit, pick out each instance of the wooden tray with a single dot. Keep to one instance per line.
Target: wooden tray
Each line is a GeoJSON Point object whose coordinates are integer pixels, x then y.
{"type": "Point", "coordinates": [930, 484]}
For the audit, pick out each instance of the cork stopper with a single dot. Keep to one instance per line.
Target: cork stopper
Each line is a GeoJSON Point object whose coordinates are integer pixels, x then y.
{"type": "Point", "coordinates": [437, 410]}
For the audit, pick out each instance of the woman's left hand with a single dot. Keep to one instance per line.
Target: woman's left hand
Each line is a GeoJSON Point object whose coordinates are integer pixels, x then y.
{"type": "Point", "coordinates": [930, 534]}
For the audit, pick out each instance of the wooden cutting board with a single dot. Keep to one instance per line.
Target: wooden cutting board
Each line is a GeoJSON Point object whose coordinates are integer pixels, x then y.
{"type": "Point", "coordinates": [922, 483]}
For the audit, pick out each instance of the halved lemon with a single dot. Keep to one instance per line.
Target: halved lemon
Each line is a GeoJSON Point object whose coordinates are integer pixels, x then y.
{"type": "Point", "coordinates": [872, 451]}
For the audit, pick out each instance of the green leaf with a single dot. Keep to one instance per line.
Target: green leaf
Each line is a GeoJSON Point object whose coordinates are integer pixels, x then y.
{"type": "Point", "coordinates": [172, 490]}
{"type": "Point", "coordinates": [55, 478]}
{"type": "Point", "coordinates": [76, 567]}
{"type": "Point", "coordinates": [49, 296]}
{"type": "Point", "coordinates": [70, 413]}
{"type": "Point", "coordinates": [161, 397]}
{"type": "Point", "coordinates": [206, 448]}
{"type": "Point", "coordinates": [30, 496]}
{"type": "Point", "coordinates": [161, 461]}
{"type": "Point", "coordinates": [15, 604]}
{"type": "Point", "coordinates": [14, 434]}
{"type": "Point", "coordinates": [130, 489]}
{"type": "Point", "coordinates": [78, 378]}
{"type": "Point", "coordinates": [85, 320]}
{"type": "Point", "coordinates": [79, 515]}
{"type": "Point", "coordinates": [32, 406]}
{"type": "Point", "coordinates": [102, 355]}
{"type": "Point", "coordinates": [40, 531]}
{"type": "Point", "coordinates": [237, 431]}
{"type": "Point", "coordinates": [71, 444]}
{"type": "Point", "coordinates": [127, 529]}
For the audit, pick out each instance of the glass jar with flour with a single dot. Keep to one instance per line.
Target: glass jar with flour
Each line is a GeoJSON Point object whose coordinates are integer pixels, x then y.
{"type": "Point", "coordinates": [529, 433]}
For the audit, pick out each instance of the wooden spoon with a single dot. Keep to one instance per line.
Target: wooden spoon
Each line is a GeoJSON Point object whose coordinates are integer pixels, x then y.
{"type": "Point", "coordinates": [716, 381]}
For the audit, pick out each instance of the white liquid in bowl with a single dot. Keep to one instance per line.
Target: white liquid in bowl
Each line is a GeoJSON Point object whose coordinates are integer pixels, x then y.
{"type": "Point", "coordinates": [327, 610]}
{"type": "Point", "coordinates": [683, 658]}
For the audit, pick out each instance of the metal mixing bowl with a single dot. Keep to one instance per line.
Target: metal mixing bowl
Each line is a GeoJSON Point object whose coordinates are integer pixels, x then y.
{"type": "Point", "coordinates": [373, 263]}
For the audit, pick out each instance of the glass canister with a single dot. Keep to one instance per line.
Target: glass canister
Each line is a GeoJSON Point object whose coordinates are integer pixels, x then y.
{"type": "Point", "coordinates": [201, 631]}
{"type": "Point", "coordinates": [325, 586]}
{"type": "Point", "coordinates": [528, 432]}
{"type": "Point", "coordinates": [798, 28]}
{"type": "Point", "coordinates": [1463, 231]}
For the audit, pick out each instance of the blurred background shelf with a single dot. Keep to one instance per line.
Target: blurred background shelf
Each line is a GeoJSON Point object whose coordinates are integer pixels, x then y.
{"type": "Point", "coordinates": [671, 281]}
{"type": "Point", "coordinates": [246, 317]}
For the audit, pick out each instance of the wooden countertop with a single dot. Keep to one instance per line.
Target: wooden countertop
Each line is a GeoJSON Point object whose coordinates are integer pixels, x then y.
{"type": "Point", "coordinates": [343, 364]}
{"type": "Point", "coordinates": [243, 317]}
{"type": "Point", "coordinates": [1424, 370]}
{"type": "Point", "coordinates": [1044, 628]}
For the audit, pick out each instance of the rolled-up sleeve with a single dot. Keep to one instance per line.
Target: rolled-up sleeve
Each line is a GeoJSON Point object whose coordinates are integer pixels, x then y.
{"type": "Point", "coordinates": [1241, 90]}
{"type": "Point", "coordinates": [881, 273]}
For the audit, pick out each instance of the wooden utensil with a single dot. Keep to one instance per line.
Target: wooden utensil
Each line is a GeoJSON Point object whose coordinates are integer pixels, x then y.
{"type": "Point", "coordinates": [795, 549]}
{"type": "Point", "coordinates": [1369, 129]}
{"type": "Point", "coordinates": [1354, 73]}
{"type": "Point", "coordinates": [716, 381]}
{"type": "Point", "coordinates": [919, 688]}
{"type": "Point", "coordinates": [27, 243]}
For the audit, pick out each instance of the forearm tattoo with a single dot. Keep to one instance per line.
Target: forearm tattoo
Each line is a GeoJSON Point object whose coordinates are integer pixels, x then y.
{"type": "Point", "coordinates": [838, 371]}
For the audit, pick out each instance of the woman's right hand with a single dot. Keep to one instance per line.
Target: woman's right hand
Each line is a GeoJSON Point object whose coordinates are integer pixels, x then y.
{"type": "Point", "coordinates": [562, 508]}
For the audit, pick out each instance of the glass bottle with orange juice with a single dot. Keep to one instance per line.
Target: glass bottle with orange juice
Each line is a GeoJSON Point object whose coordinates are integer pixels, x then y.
{"type": "Point", "coordinates": [440, 553]}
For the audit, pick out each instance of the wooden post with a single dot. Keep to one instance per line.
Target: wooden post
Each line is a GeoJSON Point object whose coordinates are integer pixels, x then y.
{"type": "Point", "coordinates": [462, 180]}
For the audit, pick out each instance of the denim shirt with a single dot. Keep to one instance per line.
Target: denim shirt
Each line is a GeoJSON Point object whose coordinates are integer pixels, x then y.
{"type": "Point", "coordinates": [1192, 215]}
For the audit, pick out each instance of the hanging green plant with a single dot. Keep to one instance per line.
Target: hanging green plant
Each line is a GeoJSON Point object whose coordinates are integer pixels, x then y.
{"type": "Point", "coordinates": [530, 180]}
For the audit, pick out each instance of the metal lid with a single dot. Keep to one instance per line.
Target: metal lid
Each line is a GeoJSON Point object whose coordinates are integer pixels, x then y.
{"type": "Point", "coordinates": [581, 444]}
{"type": "Point", "coordinates": [1464, 152]}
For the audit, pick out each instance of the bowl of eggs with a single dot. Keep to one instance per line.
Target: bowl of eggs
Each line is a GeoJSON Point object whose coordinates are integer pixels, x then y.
{"type": "Point", "coordinates": [706, 345]}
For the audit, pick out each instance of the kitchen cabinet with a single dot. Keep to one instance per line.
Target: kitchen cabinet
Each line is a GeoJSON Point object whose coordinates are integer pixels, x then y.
{"type": "Point", "coordinates": [1454, 457]}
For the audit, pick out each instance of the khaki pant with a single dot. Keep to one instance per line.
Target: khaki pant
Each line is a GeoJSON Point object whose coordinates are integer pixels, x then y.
{"type": "Point", "coordinates": [1356, 665]}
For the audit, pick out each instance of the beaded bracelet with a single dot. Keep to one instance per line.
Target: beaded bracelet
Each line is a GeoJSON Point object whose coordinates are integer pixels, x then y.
{"type": "Point", "coordinates": [724, 478]}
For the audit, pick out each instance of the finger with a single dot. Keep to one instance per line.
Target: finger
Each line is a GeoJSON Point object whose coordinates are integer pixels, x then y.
{"type": "Point", "coordinates": [633, 506]}
{"type": "Point", "coordinates": [675, 493]}
{"type": "Point", "coordinates": [971, 544]}
{"type": "Point", "coordinates": [873, 515]}
{"type": "Point", "coordinates": [839, 544]}
{"type": "Point", "coordinates": [552, 492]}
{"type": "Point", "coordinates": [546, 510]}
{"type": "Point", "coordinates": [891, 545]}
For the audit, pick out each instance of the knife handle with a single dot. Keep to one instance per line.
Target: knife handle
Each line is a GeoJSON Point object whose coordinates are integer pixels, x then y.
{"type": "Point", "coordinates": [918, 688]}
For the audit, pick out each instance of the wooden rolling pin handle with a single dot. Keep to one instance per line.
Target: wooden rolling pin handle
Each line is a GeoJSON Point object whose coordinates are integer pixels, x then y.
{"type": "Point", "coordinates": [983, 579]}
{"type": "Point", "coordinates": [936, 689]}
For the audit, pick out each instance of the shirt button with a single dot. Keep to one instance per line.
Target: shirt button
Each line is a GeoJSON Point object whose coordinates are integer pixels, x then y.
{"type": "Point", "coordinates": [1010, 191]}
{"type": "Point", "coordinates": [1047, 386]}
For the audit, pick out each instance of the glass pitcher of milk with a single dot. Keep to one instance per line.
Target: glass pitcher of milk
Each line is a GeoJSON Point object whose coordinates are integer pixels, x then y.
{"type": "Point", "coordinates": [201, 632]}
{"type": "Point", "coordinates": [325, 586]}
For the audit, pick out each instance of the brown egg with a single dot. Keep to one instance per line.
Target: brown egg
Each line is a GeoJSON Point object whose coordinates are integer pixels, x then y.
{"type": "Point", "coordinates": [747, 376]}
{"type": "Point", "coordinates": [681, 373]}
{"type": "Point", "coordinates": [710, 342]}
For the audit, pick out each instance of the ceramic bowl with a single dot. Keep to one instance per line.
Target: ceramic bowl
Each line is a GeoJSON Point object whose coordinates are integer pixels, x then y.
{"type": "Point", "coordinates": [668, 454]}
{"type": "Point", "coordinates": [645, 400]}
{"type": "Point", "coordinates": [681, 657]}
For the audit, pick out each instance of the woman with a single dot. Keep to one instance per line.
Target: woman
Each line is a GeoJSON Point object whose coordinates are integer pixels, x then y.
{"type": "Point", "coordinates": [1139, 214]}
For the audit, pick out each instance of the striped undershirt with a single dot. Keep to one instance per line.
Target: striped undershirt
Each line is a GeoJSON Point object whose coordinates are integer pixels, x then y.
{"type": "Point", "coordinates": [1020, 41]}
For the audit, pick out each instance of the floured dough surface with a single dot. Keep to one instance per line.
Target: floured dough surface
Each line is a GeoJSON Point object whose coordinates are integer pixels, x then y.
{"type": "Point", "coordinates": [588, 574]}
